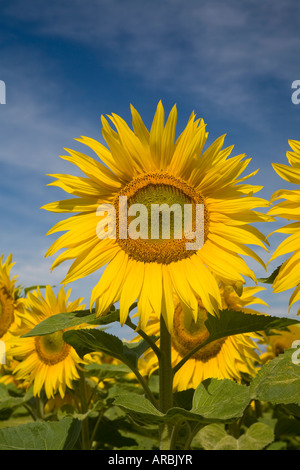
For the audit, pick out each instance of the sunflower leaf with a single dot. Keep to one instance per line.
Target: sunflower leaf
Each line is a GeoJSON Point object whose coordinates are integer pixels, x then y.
{"type": "Point", "coordinates": [220, 399]}
{"type": "Point", "coordinates": [41, 435]}
{"type": "Point", "coordinates": [62, 321]}
{"type": "Point", "coordinates": [214, 401]}
{"type": "Point", "coordinates": [215, 437]}
{"type": "Point", "coordinates": [278, 381]}
{"type": "Point", "coordinates": [232, 322]}
{"type": "Point", "coordinates": [86, 341]}
{"type": "Point", "coordinates": [271, 278]}
{"type": "Point", "coordinates": [8, 401]}
{"type": "Point", "coordinates": [31, 288]}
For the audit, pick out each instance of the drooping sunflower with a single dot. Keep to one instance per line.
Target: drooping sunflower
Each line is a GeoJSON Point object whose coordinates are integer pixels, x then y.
{"type": "Point", "coordinates": [278, 341]}
{"type": "Point", "coordinates": [148, 168]}
{"type": "Point", "coordinates": [288, 275]}
{"type": "Point", "coordinates": [226, 358]}
{"type": "Point", "coordinates": [46, 362]}
{"type": "Point", "coordinates": [10, 304]}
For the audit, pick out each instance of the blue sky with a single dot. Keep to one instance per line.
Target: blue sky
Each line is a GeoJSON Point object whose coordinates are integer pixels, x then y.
{"type": "Point", "coordinates": [65, 63]}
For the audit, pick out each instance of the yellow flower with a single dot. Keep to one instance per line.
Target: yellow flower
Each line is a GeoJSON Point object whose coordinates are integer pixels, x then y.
{"type": "Point", "coordinates": [226, 358]}
{"type": "Point", "coordinates": [46, 362]}
{"type": "Point", "coordinates": [147, 168]}
{"type": "Point", "coordinates": [279, 341]}
{"type": "Point", "coordinates": [10, 305]}
{"type": "Point", "coordinates": [288, 276]}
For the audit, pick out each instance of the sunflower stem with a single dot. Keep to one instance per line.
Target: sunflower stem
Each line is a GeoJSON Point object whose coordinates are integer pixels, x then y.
{"type": "Point", "coordinates": [189, 355]}
{"type": "Point", "coordinates": [84, 408]}
{"type": "Point", "coordinates": [165, 383]}
{"type": "Point", "coordinates": [147, 338]}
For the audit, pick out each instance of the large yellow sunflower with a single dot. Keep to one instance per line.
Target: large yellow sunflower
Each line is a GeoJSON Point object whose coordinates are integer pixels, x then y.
{"type": "Point", "coordinates": [288, 276]}
{"type": "Point", "coordinates": [10, 304]}
{"type": "Point", "coordinates": [155, 167]}
{"type": "Point", "coordinates": [226, 358]}
{"type": "Point", "coordinates": [46, 362]}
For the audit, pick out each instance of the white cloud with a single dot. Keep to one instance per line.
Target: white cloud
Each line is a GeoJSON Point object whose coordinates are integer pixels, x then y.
{"type": "Point", "coordinates": [218, 52]}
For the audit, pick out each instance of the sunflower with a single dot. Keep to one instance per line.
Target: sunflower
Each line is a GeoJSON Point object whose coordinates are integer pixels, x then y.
{"type": "Point", "coordinates": [10, 305]}
{"type": "Point", "coordinates": [288, 275]}
{"type": "Point", "coordinates": [154, 168]}
{"type": "Point", "coordinates": [225, 358]}
{"type": "Point", "coordinates": [278, 341]}
{"type": "Point", "coordinates": [46, 362]}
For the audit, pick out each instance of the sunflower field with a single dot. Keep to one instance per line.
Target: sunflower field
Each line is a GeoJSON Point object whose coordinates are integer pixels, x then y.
{"type": "Point", "coordinates": [207, 368]}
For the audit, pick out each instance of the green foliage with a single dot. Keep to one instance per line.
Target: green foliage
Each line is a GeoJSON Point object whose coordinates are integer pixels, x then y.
{"type": "Point", "coordinates": [41, 435]}
{"type": "Point", "coordinates": [215, 437]}
{"type": "Point", "coordinates": [278, 382]}
{"type": "Point", "coordinates": [232, 322]}
{"type": "Point", "coordinates": [62, 321]}
{"type": "Point", "coordinates": [89, 340]}
{"type": "Point", "coordinates": [8, 401]}
{"type": "Point", "coordinates": [123, 413]}
{"type": "Point", "coordinates": [213, 400]}
{"type": "Point", "coordinates": [272, 277]}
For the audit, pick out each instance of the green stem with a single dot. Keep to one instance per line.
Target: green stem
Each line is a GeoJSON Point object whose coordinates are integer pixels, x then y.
{"type": "Point", "coordinates": [144, 336]}
{"type": "Point", "coordinates": [189, 355]}
{"type": "Point", "coordinates": [192, 434]}
{"type": "Point", "coordinates": [174, 435]}
{"type": "Point", "coordinates": [39, 408]}
{"type": "Point", "coordinates": [101, 413]}
{"type": "Point", "coordinates": [84, 409]}
{"type": "Point", "coordinates": [165, 382]}
{"type": "Point", "coordinates": [143, 383]}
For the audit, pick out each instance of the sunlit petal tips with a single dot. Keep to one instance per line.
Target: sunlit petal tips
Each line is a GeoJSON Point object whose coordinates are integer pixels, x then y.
{"type": "Point", "coordinates": [150, 168]}
{"type": "Point", "coordinates": [288, 208]}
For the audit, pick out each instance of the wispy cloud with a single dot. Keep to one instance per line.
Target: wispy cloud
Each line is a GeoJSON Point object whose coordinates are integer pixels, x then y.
{"type": "Point", "coordinates": [219, 52]}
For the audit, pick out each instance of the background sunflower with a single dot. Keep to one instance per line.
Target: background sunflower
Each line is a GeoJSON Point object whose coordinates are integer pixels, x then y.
{"type": "Point", "coordinates": [46, 362]}
{"type": "Point", "coordinates": [227, 358]}
{"type": "Point", "coordinates": [10, 304]}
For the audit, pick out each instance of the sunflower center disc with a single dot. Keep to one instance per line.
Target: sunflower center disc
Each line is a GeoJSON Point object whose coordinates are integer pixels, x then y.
{"type": "Point", "coordinates": [51, 348]}
{"type": "Point", "coordinates": [187, 334]}
{"type": "Point", "coordinates": [6, 312]}
{"type": "Point", "coordinates": [166, 241]}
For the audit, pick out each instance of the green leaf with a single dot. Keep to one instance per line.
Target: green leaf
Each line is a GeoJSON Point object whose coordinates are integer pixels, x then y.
{"type": "Point", "coordinates": [278, 381]}
{"type": "Point", "coordinates": [41, 435]}
{"type": "Point", "coordinates": [220, 400]}
{"type": "Point", "coordinates": [232, 322]}
{"type": "Point", "coordinates": [287, 427]}
{"type": "Point", "coordinates": [215, 437]}
{"type": "Point", "coordinates": [107, 371]}
{"type": "Point", "coordinates": [62, 321]}
{"type": "Point", "coordinates": [271, 278]}
{"type": "Point", "coordinates": [257, 437]}
{"type": "Point", "coordinates": [31, 288]}
{"type": "Point", "coordinates": [209, 436]}
{"type": "Point", "coordinates": [86, 341]}
{"type": "Point", "coordinates": [138, 404]}
{"type": "Point", "coordinates": [278, 445]}
{"type": "Point", "coordinates": [214, 400]}
{"type": "Point", "coordinates": [9, 402]}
